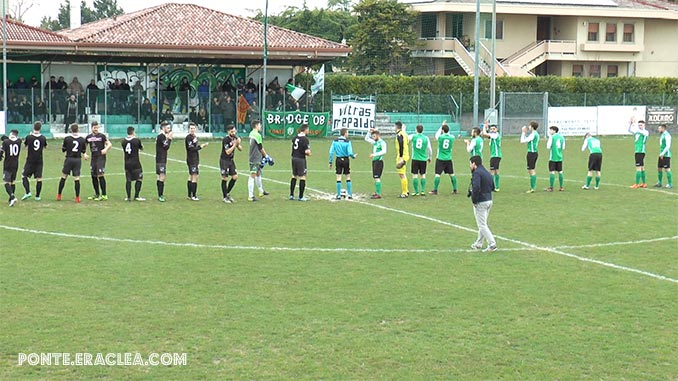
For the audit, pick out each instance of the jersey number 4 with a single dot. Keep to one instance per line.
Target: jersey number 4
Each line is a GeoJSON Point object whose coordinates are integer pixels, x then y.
{"type": "Point", "coordinates": [128, 149]}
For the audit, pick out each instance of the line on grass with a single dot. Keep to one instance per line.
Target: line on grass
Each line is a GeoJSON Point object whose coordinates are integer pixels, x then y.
{"type": "Point", "coordinates": [618, 243]}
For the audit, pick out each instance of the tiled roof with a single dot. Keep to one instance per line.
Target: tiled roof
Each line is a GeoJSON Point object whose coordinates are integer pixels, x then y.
{"type": "Point", "coordinates": [19, 32]}
{"type": "Point", "coordinates": [188, 25]}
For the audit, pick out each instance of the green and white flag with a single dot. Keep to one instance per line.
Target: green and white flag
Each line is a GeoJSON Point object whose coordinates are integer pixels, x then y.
{"type": "Point", "coordinates": [319, 84]}
{"type": "Point", "coordinates": [295, 92]}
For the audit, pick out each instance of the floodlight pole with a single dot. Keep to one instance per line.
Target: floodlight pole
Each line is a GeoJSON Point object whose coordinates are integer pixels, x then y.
{"type": "Point", "coordinates": [4, 61]}
{"type": "Point", "coordinates": [493, 76]}
{"type": "Point", "coordinates": [263, 99]}
{"type": "Point", "coordinates": [476, 83]}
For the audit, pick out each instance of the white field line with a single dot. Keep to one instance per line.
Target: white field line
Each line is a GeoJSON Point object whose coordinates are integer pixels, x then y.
{"type": "Point", "coordinates": [675, 237]}
{"type": "Point", "coordinates": [236, 247]}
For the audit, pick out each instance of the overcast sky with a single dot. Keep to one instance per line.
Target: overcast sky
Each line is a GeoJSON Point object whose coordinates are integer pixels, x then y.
{"type": "Point", "coordinates": [234, 7]}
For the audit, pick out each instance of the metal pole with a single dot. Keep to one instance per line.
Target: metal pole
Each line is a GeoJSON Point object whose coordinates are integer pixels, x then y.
{"type": "Point", "coordinates": [493, 75]}
{"type": "Point", "coordinates": [476, 66]}
{"type": "Point", "coordinates": [4, 62]}
{"type": "Point", "coordinates": [263, 100]}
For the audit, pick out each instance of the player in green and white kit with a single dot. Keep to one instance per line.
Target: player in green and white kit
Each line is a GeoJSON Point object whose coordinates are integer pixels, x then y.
{"type": "Point", "coordinates": [556, 146]}
{"type": "Point", "coordinates": [495, 151]}
{"type": "Point", "coordinates": [640, 135]}
{"type": "Point", "coordinates": [532, 141]}
{"type": "Point", "coordinates": [421, 155]}
{"type": "Point", "coordinates": [595, 159]}
{"type": "Point", "coordinates": [664, 162]}
{"type": "Point", "coordinates": [474, 146]}
{"type": "Point", "coordinates": [377, 155]}
{"type": "Point", "coordinates": [444, 158]}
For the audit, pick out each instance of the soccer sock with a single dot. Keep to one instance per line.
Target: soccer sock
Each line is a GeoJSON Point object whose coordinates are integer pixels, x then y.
{"type": "Point", "coordinates": [669, 178]}
{"type": "Point", "coordinates": [403, 185]}
{"type": "Point", "coordinates": [588, 180]}
{"type": "Point", "coordinates": [415, 185]}
{"type": "Point", "coordinates": [560, 179]}
{"type": "Point", "coordinates": [137, 189]}
{"type": "Point", "coordinates": [259, 184]}
{"type": "Point", "coordinates": [454, 182]}
{"type": "Point", "coordinates": [302, 187]}
{"type": "Point", "coordinates": [423, 185]}
{"type": "Point", "coordinates": [552, 179]}
{"type": "Point", "coordinates": [597, 181]}
{"type": "Point", "coordinates": [102, 185]}
{"type": "Point", "coordinates": [660, 177]}
{"type": "Point", "coordinates": [77, 188]}
{"type": "Point", "coordinates": [436, 183]}
{"type": "Point", "coordinates": [533, 181]}
{"type": "Point", "coordinates": [293, 184]}
{"type": "Point", "coordinates": [349, 188]}
{"type": "Point", "coordinates": [250, 186]}
{"type": "Point", "coordinates": [8, 189]}
{"type": "Point", "coordinates": [224, 186]}
{"type": "Point", "coordinates": [128, 189]}
{"type": "Point", "coordinates": [160, 185]}
{"type": "Point", "coordinates": [377, 187]}
{"type": "Point", "coordinates": [26, 184]}
{"type": "Point", "coordinates": [62, 183]}
{"type": "Point", "coordinates": [38, 188]}
{"type": "Point", "coordinates": [195, 189]}
{"type": "Point", "coordinates": [339, 187]}
{"type": "Point", "coordinates": [230, 185]}
{"type": "Point", "coordinates": [637, 177]}
{"type": "Point", "coordinates": [13, 188]}
{"type": "Point", "coordinates": [642, 176]}
{"type": "Point", "coordinates": [188, 187]}
{"type": "Point", "coordinates": [95, 184]}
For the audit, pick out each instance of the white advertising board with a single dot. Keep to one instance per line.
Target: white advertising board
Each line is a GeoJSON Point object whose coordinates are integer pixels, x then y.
{"type": "Point", "coordinates": [573, 121]}
{"type": "Point", "coordinates": [614, 120]}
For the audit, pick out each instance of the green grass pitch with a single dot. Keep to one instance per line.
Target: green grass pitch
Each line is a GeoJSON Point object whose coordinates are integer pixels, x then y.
{"type": "Point", "coordinates": [584, 284]}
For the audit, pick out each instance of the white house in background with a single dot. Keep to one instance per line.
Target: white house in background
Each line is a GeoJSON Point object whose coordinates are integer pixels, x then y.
{"type": "Point", "coordinates": [580, 38]}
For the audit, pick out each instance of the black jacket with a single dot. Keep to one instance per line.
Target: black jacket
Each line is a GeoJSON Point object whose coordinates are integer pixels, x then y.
{"type": "Point", "coordinates": [482, 185]}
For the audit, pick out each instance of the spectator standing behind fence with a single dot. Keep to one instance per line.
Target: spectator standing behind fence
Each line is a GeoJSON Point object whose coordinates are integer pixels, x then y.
{"type": "Point", "coordinates": [50, 86]}
{"type": "Point", "coordinates": [40, 110]}
{"type": "Point", "coordinates": [228, 109]}
{"type": "Point", "coordinates": [204, 93]}
{"type": "Point", "coordinates": [61, 94]}
{"type": "Point", "coordinates": [71, 112]}
{"type": "Point", "coordinates": [170, 94]}
{"type": "Point", "coordinates": [25, 109]}
{"type": "Point", "coordinates": [75, 88]}
{"type": "Point", "coordinates": [34, 84]}
{"type": "Point", "coordinates": [217, 115]}
{"type": "Point", "coordinates": [92, 94]}
{"type": "Point", "coordinates": [184, 89]}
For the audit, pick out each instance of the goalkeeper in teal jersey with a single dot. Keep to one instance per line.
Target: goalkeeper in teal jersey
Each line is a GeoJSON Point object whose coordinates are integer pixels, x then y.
{"type": "Point", "coordinates": [342, 148]}
{"type": "Point", "coordinates": [532, 141]}
{"type": "Point", "coordinates": [595, 159]}
{"type": "Point", "coordinates": [556, 146]}
{"type": "Point", "coordinates": [640, 135]}
{"type": "Point", "coordinates": [421, 156]}
{"type": "Point", "coordinates": [444, 162]}
{"type": "Point", "coordinates": [664, 162]}
{"type": "Point", "coordinates": [495, 151]}
{"type": "Point", "coordinates": [377, 156]}
{"type": "Point", "coordinates": [474, 146]}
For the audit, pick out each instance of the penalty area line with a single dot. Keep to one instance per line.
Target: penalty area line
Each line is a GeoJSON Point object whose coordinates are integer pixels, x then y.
{"type": "Point", "coordinates": [619, 243]}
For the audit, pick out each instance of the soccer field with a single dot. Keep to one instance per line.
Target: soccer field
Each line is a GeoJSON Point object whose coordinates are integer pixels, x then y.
{"type": "Point", "coordinates": [584, 284]}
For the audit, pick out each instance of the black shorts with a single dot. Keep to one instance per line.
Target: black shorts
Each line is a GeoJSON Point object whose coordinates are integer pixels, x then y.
{"type": "Point", "coordinates": [418, 167]}
{"type": "Point", "coordinates": [227, 167]}
{"type": "Point", "coordinates": [134, 174]}
{"type": "Point", "coordinates": [640, 159]}
{"type": "Point", "coordinates": [555, 166]}
{"type": "Point", "coordinates": [444, 166]}
{"type": "Point", "coordinates": [494, 163]}
{"type": "Point", "coordinates": [664, 163]}
{"type": "Point", "coordinates": [72, 166]}
{"type": "Point", "coordinates": [32, 169]}
{"type": "Point", "coordinates": [595, 161]}
{"type": "Point", "coordinates": [377, 168]}
{"type": "Point", "coordinates": [193, 168]}
{"type": "Point", "coordinates": [98, 165]}
{"type": "Point", "coordinates": [160, 168]}
{"type": "Point", "coordinates": [9, 175]}
{"type": "Point", "coordinates": [532, 160]}
{"type": "Point", "coordinates": [298, 166]}
{"type": "Point", "coordinates": [342, 166]}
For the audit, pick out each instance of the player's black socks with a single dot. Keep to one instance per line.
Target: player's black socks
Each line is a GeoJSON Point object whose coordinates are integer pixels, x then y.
{"type": "Point", "coordinates": [161, 187]}
{"type": "Point", "coordinates": [195, 189]}
{"type": "Point", "coordinates": [62, 183]}
{"type": "Point", "coordinates": [77, 188]}
{"type": "Point", "coordinates": [13, 188]}
{"type": "Point", "coordinates": [224, 188]}
{"type": "Point", "coordinates": [95, 184]}
{"type": "Point", "coordinates": [8, 189]}
{"type": "Point", "coordinates": [137, 189]}
{"type": "Point", "coordinates": [230, 185]}
{"type": "Point", "coordinates": [293, 184]}
{"type": "Point", "coordinates": [38, 188]}
{"type": "Point", "coordinates": [189, 187]}
{"type": "Point", "coordinates": [102, 185]}
{"type": "Point", "coordinates": [26, 184]}
{"type": "Point", "coordinates": [128, 189]}
{"type": "Point", "coordinates": [302, 187]}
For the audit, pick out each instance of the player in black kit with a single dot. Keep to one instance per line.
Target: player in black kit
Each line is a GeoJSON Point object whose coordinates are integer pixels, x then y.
{"type": "Point", "coordinates": [162, 145]}
{"type": "Point", "coordinates": [35, 143]}
{"type": "Point", "coordinates": [75, 147]}
{"type": "Point", "coordinates": [226, 163]}
{"type": "Point", "coordinates": [193, 161]}
{"type": "Point", "coordinates": [98, 147]}
{"type": "Point", "coordinates": [131, 145]}
{"type": "Point", "coordinates": [301, 148]}
{"type": "Point", "coordinates": [10, 149]}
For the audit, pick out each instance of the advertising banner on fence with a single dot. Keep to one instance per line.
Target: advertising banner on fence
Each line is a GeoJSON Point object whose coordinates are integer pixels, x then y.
{"type": "Point", "coordinates": [353, 115]}
{"type": "Point", "coordinates": [573, 121]}
{"type": "Point", "coordinates": [286, 124]}
{"type": "Point", "coordinates": [657, 115]}
{"type": "Point", "coordinates": [614, 120]}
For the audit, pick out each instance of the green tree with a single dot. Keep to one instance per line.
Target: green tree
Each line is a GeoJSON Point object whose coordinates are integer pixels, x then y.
{"type": "Point", "coordinates": [330, 24]}
{"type": "Point", "coordinates": [382, 38]}
{"type": "Point", "coordinates": [101, 9]}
